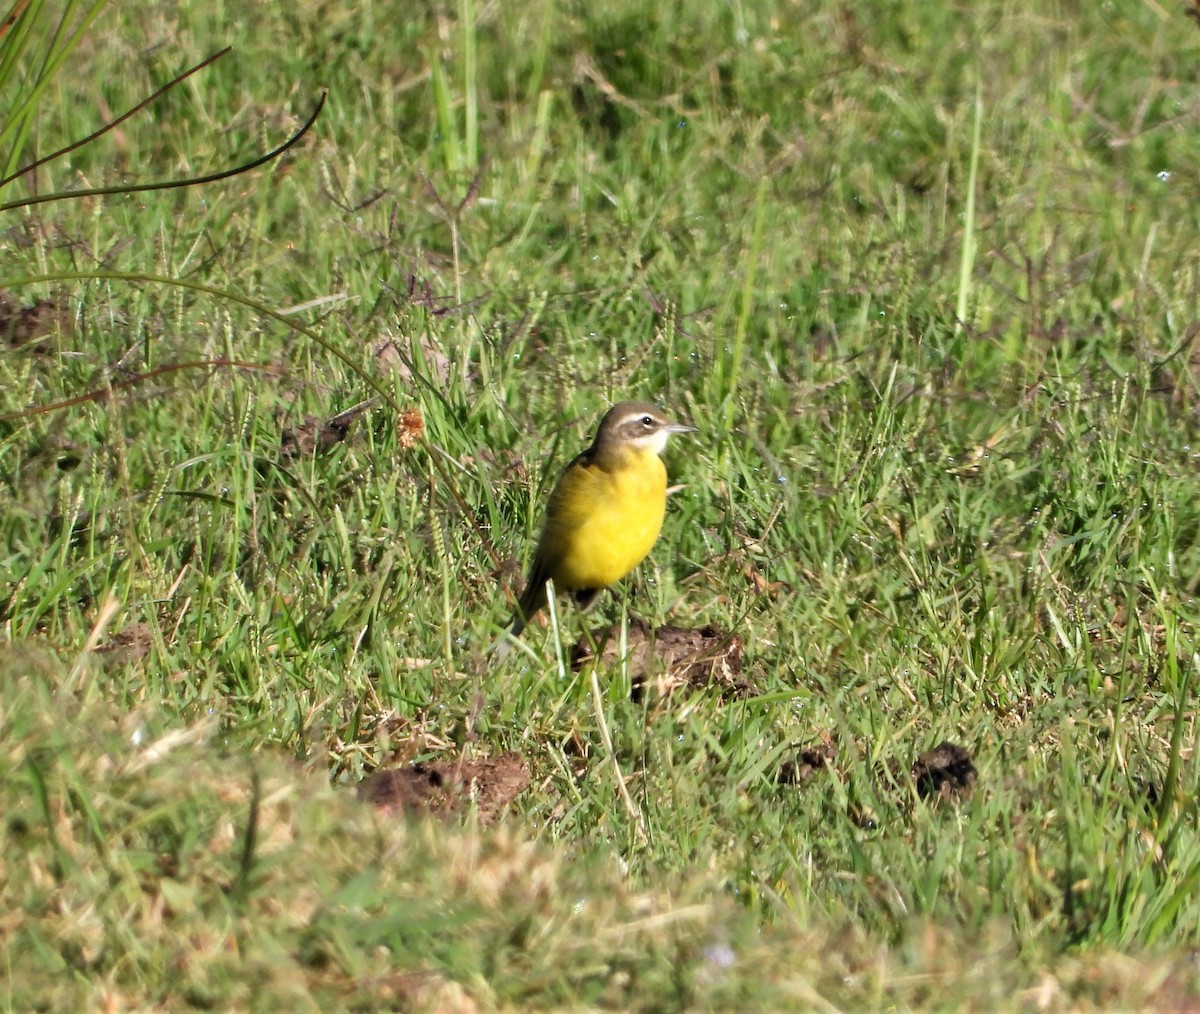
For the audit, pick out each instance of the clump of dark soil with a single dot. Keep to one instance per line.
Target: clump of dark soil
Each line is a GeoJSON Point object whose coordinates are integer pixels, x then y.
{"type": "Point", "coordinates": [804, 767]}
{"type": "Point", "coordinates": [314, 434]}
{"type": "Point", "coordinates": [667, 658]}
{"type": "Point", "coordinates": [32, 328]}
{"type": "Point", "coordinates": [946, 772]}
{"type": "Point", "coordinates": [445, 788]}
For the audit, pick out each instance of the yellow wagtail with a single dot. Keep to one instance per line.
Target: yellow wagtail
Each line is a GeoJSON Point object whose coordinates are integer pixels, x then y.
{"type": "Point", "coordinates": [606, 511]}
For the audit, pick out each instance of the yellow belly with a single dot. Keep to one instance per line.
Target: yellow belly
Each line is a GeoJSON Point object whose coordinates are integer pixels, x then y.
{"type": "Point", "coordinates": [600, 525]}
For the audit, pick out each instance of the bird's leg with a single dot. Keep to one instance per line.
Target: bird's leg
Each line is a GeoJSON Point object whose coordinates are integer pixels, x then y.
{"type": "Point", "coordinates": [585, 599]}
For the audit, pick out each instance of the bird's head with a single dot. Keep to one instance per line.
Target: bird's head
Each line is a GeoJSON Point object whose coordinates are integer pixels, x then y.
{"type": "Point", "coordinates": [636, 426]}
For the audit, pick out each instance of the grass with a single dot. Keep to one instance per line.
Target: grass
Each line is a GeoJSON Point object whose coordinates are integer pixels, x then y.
{"type": "Point", "coordinates": [925, 281]}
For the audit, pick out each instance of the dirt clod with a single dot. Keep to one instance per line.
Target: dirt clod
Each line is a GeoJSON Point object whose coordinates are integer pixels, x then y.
{"type": "Point", "coordinates": [443, 788]}
{"type": "Point", "coordinates": [672, 657]}
{"type": "Point", "coordinates": [945, 772]}
{"type": "Point", "coordinates": [132, 644]}
{"type": "Point", "coordinates": [315, 434]}
{"type": "Point", "coordinates": [32, 327]}
{"type": "Point", "coordinates": [806, 764]}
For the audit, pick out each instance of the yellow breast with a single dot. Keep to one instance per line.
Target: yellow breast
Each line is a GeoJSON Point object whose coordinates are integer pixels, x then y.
{"type": "Point", "coordinates": [600, 523]}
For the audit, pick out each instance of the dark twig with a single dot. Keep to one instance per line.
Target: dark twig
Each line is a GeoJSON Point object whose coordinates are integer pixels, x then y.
{"type": "Point", "coordinates": [175, 184]}
{"type": "Point", "coordinates": [118, 121]}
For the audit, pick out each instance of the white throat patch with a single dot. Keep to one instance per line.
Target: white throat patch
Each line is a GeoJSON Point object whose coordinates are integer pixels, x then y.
{"type": "Point", "coordinates": [656, 441]}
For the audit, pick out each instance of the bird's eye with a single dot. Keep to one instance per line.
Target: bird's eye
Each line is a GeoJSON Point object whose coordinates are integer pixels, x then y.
{"type": "Point", "coordinates": [647, 420]}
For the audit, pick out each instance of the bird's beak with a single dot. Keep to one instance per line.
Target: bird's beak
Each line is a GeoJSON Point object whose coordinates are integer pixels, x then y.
{"type": "Point", "coordinates": [681, 428]}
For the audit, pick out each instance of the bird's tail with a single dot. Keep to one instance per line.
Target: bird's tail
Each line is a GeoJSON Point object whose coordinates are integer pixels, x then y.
{"type": "Point", "coordinates": [532, 602]}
